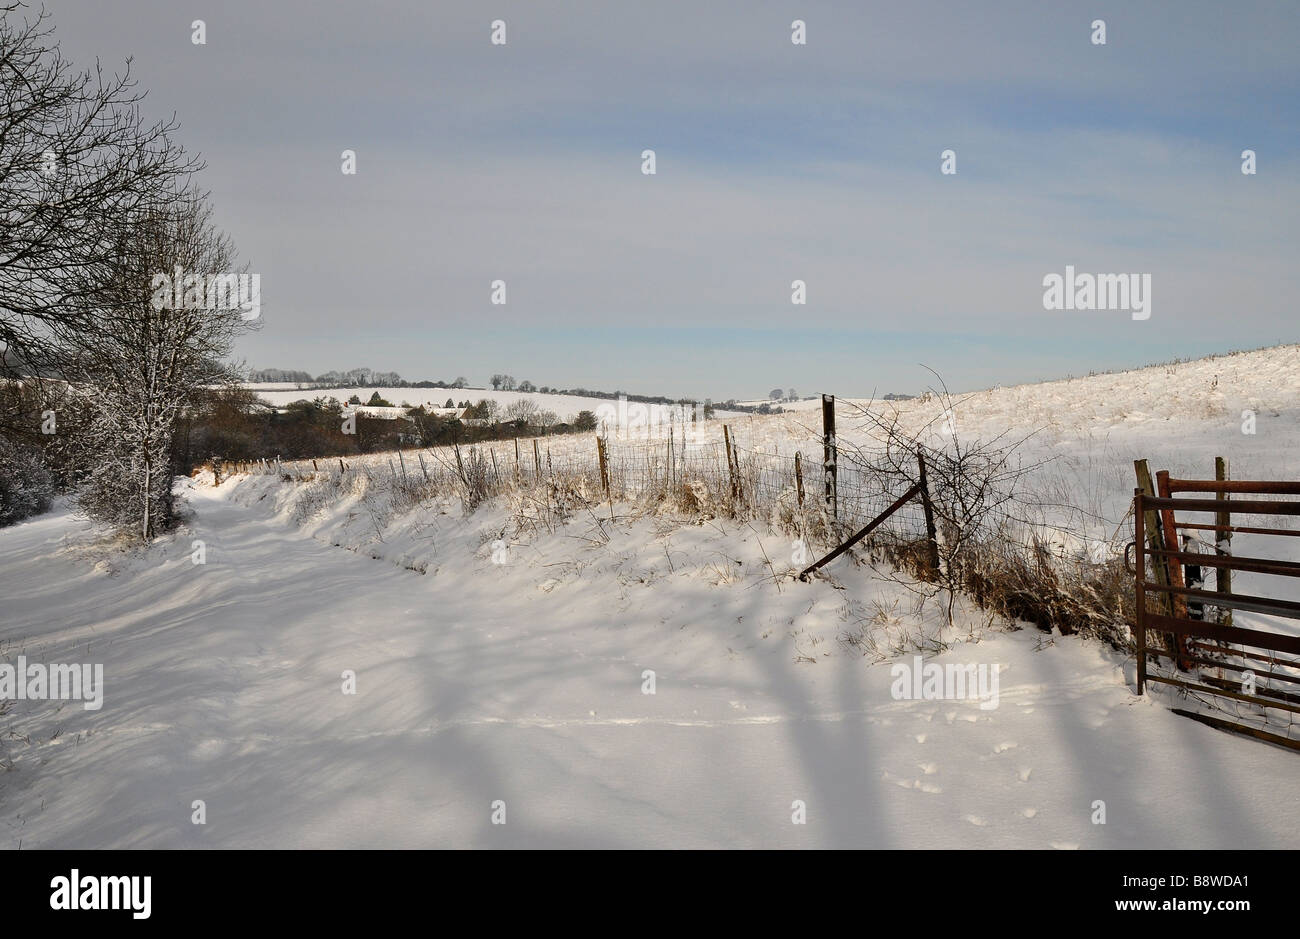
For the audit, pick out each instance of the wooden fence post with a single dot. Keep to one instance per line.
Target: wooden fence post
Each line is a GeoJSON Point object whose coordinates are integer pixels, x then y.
{"type": "Point", "coordinates": [798, 476]}
{"type": "Point", "coordinates": [342, 469]}
{"type": "Point", "coordinates": [604, 473]}
{"type": "Point", "coordinates": [1140, 614]}
{"type": "Point", "coordinates": [731, 469]}
{"type": "Point", "coordinates": [1223, 542]}
{"type": "Point", "coordinates": [403, 462]}
{"type": "Point", "coordinates": [537, 461]}
{"type": "Point", "coordinates": [604, 465]}
{"type": "Point", "coordinates": [423, 468]}
{"type": "Point", "coordinates": [1171, 542]}
{"type": "Point", "coordinates": [1153, 527]}
{"type": "Point", "coordinates": [830, 457]}
{"type": "Point", "coordinates": [931, 536]}
{"type": "Point", "coordinates": [1154, 533]}
{"type": "Point", "coordinates": [517, 460]}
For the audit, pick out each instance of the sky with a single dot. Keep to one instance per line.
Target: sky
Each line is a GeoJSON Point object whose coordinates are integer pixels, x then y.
{"type": "Point", "coordinates": [775, 162]}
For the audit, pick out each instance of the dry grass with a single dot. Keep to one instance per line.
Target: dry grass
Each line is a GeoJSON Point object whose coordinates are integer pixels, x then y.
{"type": "Point", "coordinates": [1000, 561]}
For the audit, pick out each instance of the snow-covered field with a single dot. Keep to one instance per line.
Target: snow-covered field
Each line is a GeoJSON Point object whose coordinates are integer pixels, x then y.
{"type": "Point", "coordinates": [566, 407]}
{"type": "Point", "coordinates": [495, 665]}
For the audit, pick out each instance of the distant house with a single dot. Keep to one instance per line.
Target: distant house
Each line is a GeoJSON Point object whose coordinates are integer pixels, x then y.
{"type": "Point", "coordinates": [377, 413]}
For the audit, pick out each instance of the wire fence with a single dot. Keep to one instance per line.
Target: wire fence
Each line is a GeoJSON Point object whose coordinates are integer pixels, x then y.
{"type": "Point", "coordinates": [715, 476]}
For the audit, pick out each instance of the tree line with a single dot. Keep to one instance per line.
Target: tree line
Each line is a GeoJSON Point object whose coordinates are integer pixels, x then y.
{"type": "Point", "coordinates": [232, 424]}
{"type": "Point", "coordinates": [352, 378]}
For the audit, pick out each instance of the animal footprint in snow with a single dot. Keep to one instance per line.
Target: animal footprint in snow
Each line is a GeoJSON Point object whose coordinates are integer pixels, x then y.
{"type": "Point", "coordinates": [1003, 747]}
{"type": "Point", "coordinates": [1065, 845]}
{"type": "Point", "coordinates": [910, 783]}
{"type": "Point", "coordinates": [928, 768]}
{"type": "Point", "coordinates": [975, 820]}
{"type": "Point", "coordinates": [920, 738]}
{"type": "Point", "coordinates": [1029, 813]}
{"type": "Point", "coordinates": [1024, 772]}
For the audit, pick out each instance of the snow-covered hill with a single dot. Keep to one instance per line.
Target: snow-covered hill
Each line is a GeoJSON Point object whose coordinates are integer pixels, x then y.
{"type": "Point", "coordinates": [566, 407]}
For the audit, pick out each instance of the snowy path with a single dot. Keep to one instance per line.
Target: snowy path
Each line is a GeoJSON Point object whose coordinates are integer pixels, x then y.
{"type": "Point", "coordinates": [223, 683]}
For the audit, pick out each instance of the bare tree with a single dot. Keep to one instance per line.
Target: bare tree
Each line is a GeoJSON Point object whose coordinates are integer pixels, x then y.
{"type": "Point", "coordinates": [148, 362]}
{"type": "Point", "coordinates": [976, 489]}
{"type": "Point", "coordinates": [76, 160]}
{"type": "Point", "coordinates": [522, 410]}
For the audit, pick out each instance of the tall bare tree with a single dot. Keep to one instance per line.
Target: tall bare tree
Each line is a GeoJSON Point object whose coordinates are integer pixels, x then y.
{"type": "Point", "coordinates": [77, 159]}
{"type": "Point", "coordinates": [149, 360]}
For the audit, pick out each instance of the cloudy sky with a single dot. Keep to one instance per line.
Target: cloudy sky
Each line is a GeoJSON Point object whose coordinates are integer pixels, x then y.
{"type": "Point", "coordinates": [775, 162]}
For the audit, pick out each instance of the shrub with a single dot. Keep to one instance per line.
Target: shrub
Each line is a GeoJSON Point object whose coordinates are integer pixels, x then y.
{"type": "Point", "coordinates": [26, 486]}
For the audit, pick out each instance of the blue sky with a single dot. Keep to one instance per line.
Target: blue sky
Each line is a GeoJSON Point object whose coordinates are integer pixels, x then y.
{"type": "Point", "coordinates": [775, 162]}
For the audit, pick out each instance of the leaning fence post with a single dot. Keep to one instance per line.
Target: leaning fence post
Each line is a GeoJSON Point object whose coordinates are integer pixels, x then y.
{"type": "Point", "coordinates": [931, 536]}
{"type": "Point", "coordinates": [1171, 538]}
{"type": "Point", "coordinates": [830, 455]}
{"type": "Point", "coordinates": [1151, 524]}
{"type": "Point", "coordinates": [1140, 567]}
{"type": "Point", "coordinates": [1223, 541]}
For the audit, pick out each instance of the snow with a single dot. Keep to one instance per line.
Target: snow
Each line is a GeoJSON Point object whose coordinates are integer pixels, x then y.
{"type": "Point", "coordinates": [523, 681]}
{"type": "Point", "coordinates": [566, 407]}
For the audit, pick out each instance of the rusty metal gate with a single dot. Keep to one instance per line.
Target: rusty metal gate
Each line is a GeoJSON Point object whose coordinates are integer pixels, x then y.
{"type": "Point", "coordinates": [1245, 679]}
